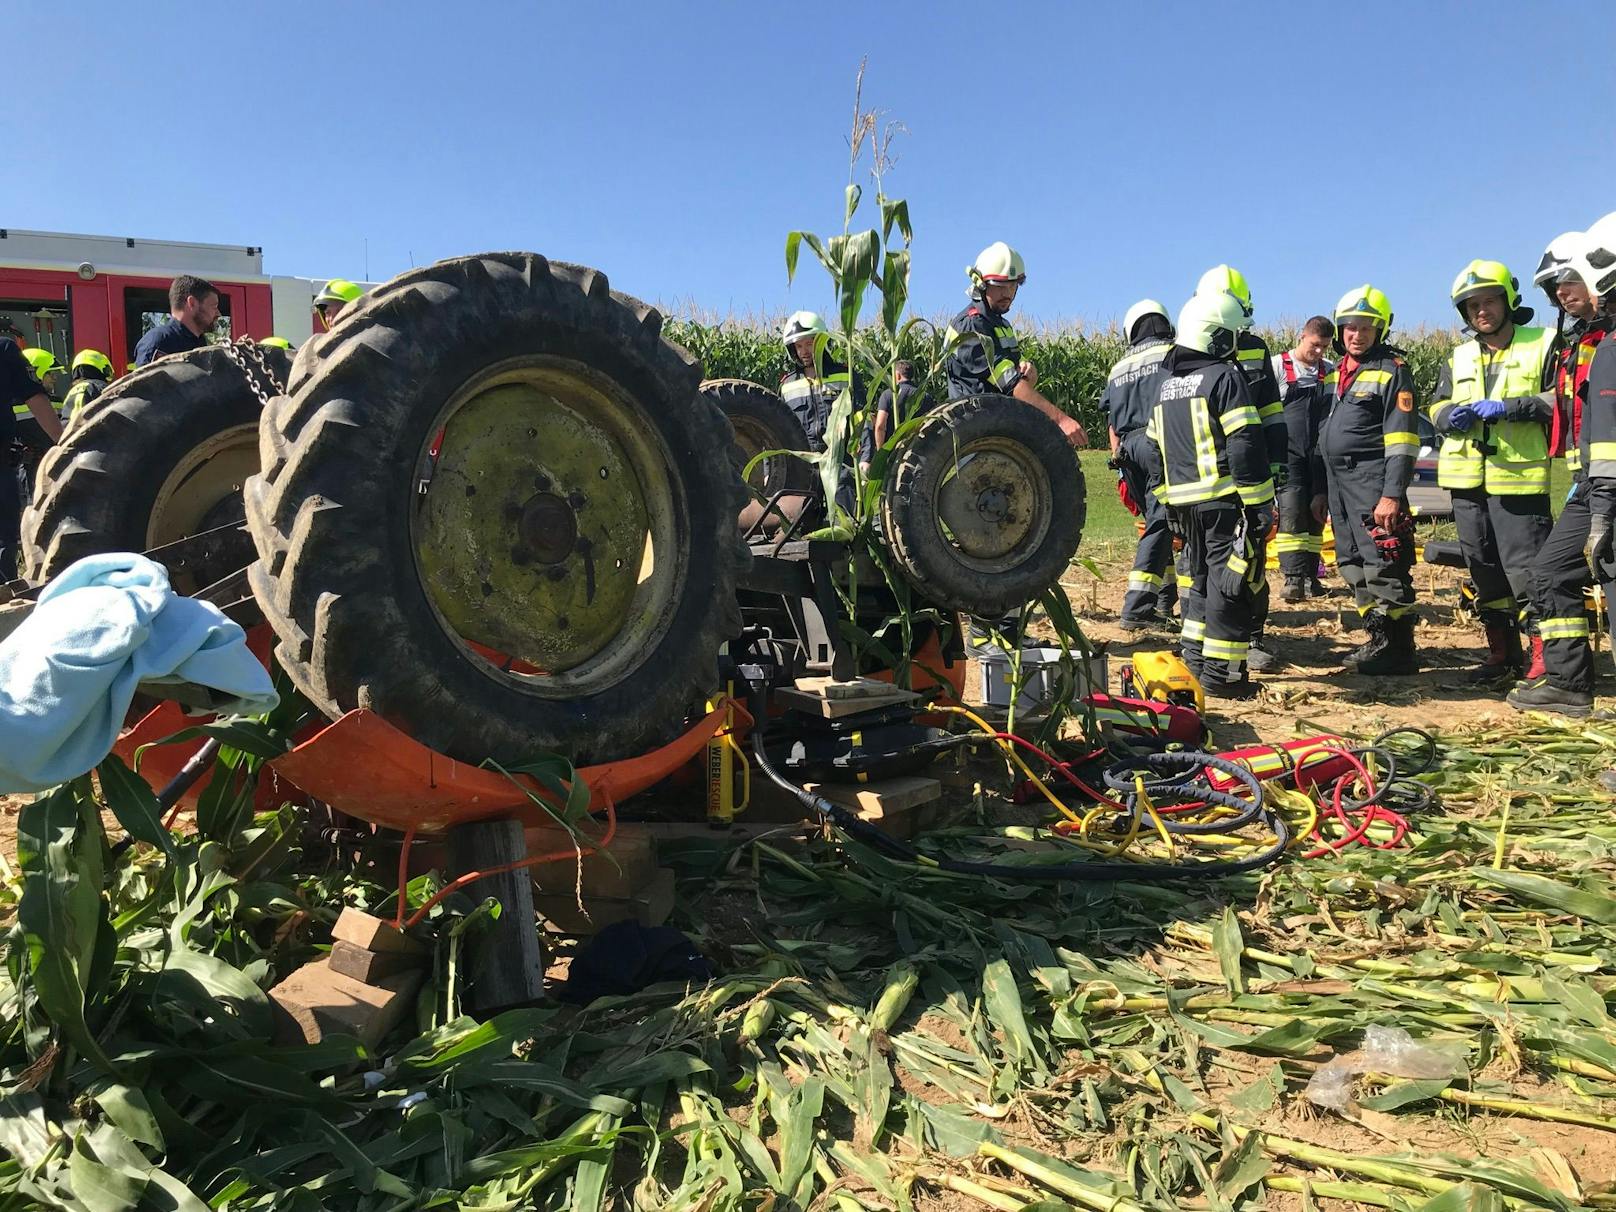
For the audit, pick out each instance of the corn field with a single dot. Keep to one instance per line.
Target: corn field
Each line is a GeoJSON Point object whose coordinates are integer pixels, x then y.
{"type": "Point", "coordinates": [1072, 361]}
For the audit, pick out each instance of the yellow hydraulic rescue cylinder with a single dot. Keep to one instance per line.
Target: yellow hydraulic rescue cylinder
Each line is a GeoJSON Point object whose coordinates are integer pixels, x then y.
{"type": "Point", "coordinates": [723, 752]}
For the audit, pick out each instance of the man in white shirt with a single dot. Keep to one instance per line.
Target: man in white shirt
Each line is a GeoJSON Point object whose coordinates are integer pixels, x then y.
{"type": "Point", "coordinates": [1301, 373]}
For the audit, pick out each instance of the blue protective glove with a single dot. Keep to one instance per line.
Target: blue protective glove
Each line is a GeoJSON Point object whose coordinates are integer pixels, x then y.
{"type": "Point", "coordinates": [1462, 417]}
{"type": "Point", "coordinates": [1489, 410]}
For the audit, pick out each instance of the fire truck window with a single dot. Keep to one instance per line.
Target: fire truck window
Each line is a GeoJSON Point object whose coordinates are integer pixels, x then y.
{"type": "Point", "coordinates": [34, 324]}
{"type": "Point", "coordinates": [145, 307]}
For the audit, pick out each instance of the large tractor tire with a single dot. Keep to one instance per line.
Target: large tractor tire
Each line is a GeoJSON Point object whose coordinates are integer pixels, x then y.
{"type": "Point", "coordinates": [160, 455]}
{"type": "Point", "coordinates": [984, 505]}
{"type": "Point", "coordinates": [496, 510]}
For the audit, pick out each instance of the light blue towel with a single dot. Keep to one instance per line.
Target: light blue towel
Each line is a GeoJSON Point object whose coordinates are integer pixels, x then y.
{"type": "Point", "coordinates": [106, 624]}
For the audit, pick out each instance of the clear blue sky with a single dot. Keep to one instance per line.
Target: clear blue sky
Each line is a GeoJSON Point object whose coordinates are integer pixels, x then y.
{"type": "Point", "coordinates": [1123, 148]}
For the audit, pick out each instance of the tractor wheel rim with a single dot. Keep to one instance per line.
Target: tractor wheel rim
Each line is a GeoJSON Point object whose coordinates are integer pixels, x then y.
{"type": "Point", "coordinates": [994, 504]}
{"type": "Point", "coordinates": [201, 492]}
{"type": "Point", "coordinates": [548, 541]}
{"type": "Point", "coordinates": [751, 440]}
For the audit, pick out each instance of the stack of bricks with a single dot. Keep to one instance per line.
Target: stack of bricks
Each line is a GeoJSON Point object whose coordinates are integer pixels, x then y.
{"type": "Point", "coordinates": [363, 988]}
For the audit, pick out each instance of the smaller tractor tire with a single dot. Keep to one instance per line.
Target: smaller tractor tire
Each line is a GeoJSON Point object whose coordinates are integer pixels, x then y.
{"type": "Point", "coordinates": [160, 455]}
{"type": "Point", "coordinates": [983, 507]}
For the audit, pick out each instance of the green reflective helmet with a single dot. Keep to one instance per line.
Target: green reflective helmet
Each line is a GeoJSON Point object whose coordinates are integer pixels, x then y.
{"type": "Point", "coordinates": [1481, 277]}
{"type": "Point", "coordinates": [1226, 280]}
{"type": "Point", "coordinates": [43, 362]}
{"type": "Point", "coordinates": [339, 291]}
{"type": "Point", "coordinates": [277, 342]}
{"type": "Point", "coordinates": [1362, 303]}
{"type": "Point", "coordinates": [95, 360]}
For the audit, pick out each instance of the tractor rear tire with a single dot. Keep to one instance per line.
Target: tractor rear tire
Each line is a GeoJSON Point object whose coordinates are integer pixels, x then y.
{"type": "Point", "coordinates": [983, 506]}
{"type": "Point", "coordinates": [556, 415]}
{"type": "Point", "coordinates": [160, 455]}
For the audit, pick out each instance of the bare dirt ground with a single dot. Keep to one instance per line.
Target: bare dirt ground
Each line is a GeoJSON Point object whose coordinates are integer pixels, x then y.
{"type": "Point", "coordinates": [1313, 692]}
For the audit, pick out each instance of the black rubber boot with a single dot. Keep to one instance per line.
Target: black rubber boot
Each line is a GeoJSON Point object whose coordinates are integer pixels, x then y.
{"type": "Point", "coordinates": [1144, 622]}
{"type": "Point", "coordinates": [1294, 590]}
{"type": "Point", "coordinates": [1546, 696]}
{"type": "Point", "coordinates": [1260, 658]}
{"type": "Point", "coordinates": [1376, 624]}
{"type": "Point", "coordinates": [1245, 688]}
{"type": "Point", "coordinates": [1395, 656]}
{"type": "Point", "coordinates": [1504, 657]}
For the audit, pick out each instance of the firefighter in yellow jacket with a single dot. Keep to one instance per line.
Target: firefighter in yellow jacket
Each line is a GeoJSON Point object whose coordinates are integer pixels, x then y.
{"type": "Point", "coordinates": [1493, 407]}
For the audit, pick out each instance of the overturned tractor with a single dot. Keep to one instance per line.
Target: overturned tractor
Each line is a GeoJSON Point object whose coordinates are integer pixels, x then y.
{"type": "Point", "coordinates": [496, 508]}
{"type": "Point", "coordinates": [493, 515]}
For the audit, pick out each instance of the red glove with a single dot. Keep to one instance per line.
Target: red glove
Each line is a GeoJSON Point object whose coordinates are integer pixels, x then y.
{"type": "Point", "coordinates": [1126, 498]}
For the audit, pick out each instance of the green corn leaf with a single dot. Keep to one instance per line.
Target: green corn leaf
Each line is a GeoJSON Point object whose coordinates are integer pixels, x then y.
{"type": "Point", "coordinates": [1002, 1001]}
{"type": "Point", "coordinates": [61, 913]}
{"type": "Point", "coordinates": [131, 800]}
{"type": "Point", "coordinates": [126, 1107]}
{"type": "Point", "coordinates": [1578, 997]}
{"type": "Point", "coordinates": [1401, 1094]}
{"type": "Point", "coordinates": [1466, 1197]}
{"type": "Point", "coordinates": [1228, 943]}
{"type": "Point", "coordinates": [1552, 894]}
{"type": "Point", "coordinates": [100, 1187]}
{"type": "Point", "coordinates": [246, 734]}
{"type": "Point", "coordinates": [896, 210]}
{"type": "Point", "coordinates": [794, 241]}
{"type": "Point", "coordinates": [854, 193]}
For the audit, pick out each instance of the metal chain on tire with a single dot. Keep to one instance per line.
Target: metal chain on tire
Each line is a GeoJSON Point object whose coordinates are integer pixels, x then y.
{"type": "Point", "coordinates": [242, 351]}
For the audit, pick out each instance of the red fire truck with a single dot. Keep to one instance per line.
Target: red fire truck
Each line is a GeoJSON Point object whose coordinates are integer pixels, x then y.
{"type": "Point", "coordinates": [66, 292]}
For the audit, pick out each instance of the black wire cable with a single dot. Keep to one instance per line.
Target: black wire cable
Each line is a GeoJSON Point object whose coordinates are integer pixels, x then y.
{"type": "Point", "coordinates": [852, 825]}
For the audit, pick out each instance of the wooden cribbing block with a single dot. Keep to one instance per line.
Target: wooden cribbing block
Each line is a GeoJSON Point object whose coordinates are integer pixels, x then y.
{"type": "Point", "coordinates": [509, 970]}
{"type": "Point", "coordinates": [897, 806]}
{"type": "Point", "coordinates": [850, 698]}
{"type": "Point", "coordinates": [883, 798]}
{"type": "Point", "coordinates": [620, 871]}
{"type": "Point", "coordinates": [858, 688]}
{"type": "Point", "coordinates": [372, 966]}
{"type": "Point", "coordinates": [650, 905]}
{"type": "Point", "coordinates": [316, 1001]}
{"type": "Point", "coordinates": [369, 933]}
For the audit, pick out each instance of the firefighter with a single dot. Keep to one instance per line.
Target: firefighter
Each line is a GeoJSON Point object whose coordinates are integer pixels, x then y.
{"type": "Point", "coordinates": [1255, 362]}
{"type": "Point", "coordinates": [193, 310]}
{"type": "Point", "coordinates": [92, 371]}
{"type": "Point", "coordinates": [1563, 680]}
{"type": "Point", "coordinates": [813, 380]}
{"type": "Point", "coordinates": [1301, 374]}
{"type": "Point", "coordinates": [1493, 412]}
{"type": "Point", "coordinates": [28, 430]}
{"type": "Point", "coordinates": [1127, 402]}
{"type": "Point", "coordinates": [984, 355]}
{"type": "Point", "coordinates": [1368, 446]}
{"type": "Point", "coordinates": [1218, 489]}
{"type": "Point", "coordinates": [19, 391]}
{"type": "Point", "coordinates": [334, 299]}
